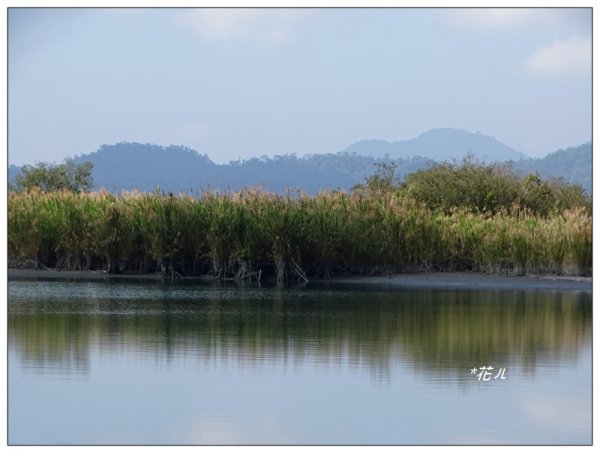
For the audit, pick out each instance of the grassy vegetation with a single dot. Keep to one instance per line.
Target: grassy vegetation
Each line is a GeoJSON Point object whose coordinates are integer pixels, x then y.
{"type": "Point", "coordinates": [253, 234]}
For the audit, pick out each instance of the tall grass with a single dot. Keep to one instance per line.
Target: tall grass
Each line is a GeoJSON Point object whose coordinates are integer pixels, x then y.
{"type": "Point", "coordinates": [250, 234]}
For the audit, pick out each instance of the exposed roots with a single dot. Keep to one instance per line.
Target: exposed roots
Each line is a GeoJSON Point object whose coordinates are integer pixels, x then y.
{"type": "Point", "coordinates": [299, 271]}
{"type": "Point", "coordinates": [283, 271]}
{"type": "Point", "coordinates": [168, 273]}
{"type": "Point", "coordinates": [246, 272]}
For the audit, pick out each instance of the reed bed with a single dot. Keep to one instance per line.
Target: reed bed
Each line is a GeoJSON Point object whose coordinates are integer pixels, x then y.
{"type": "Point", "coordinates": [252, 234]}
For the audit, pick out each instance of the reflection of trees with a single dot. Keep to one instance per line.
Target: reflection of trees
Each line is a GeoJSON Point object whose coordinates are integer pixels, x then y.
{"type": "Point", "coordinates": [497, 326]}
{"type": "Point", "coordinates": [449, 329]}
{"type": "Point", "coordinates": [48, 341]}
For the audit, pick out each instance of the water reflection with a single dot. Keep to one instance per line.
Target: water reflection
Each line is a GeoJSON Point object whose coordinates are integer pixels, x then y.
{"type": "Point", "coordinates": [438, 332]}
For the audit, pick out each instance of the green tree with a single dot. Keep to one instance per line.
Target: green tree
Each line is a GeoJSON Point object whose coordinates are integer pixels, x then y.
{"type": "Point", "coordinates": [383, 179]}
{"type": "Point", "coordinates": [51, 177]}
{"type": "Point", "coordinates": [490, 188]}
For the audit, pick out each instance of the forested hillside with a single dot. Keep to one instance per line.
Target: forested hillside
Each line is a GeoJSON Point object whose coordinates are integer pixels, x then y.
{"type": "Point", "coordinates": [146, 167]}
{"type": "Point", "coordinates": [573, 164]}
{"type": "Point", "coordinates": [128, 166]}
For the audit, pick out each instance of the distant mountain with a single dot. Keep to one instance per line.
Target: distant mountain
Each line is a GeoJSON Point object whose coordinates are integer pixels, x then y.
{"type": "Point", "coordinates": [312, 173]}
{"type": "Point", "coordinates": [13, 170]}
{"type": "Point", "coordinates": [572, 164]}
{"type": "Point", "coordinates": [146, 167]}
{"type": "Point", "coordinates": [441, 144]}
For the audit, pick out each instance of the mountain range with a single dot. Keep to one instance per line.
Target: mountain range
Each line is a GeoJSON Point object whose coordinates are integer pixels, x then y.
{"type": "Point", "coordinates": [439, 144]}
{"type": "Point", "coordinates": [148, 167]}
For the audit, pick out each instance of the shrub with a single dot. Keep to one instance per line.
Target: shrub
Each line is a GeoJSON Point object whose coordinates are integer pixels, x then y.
{"type": "Point", "coordinates": [489, 188]}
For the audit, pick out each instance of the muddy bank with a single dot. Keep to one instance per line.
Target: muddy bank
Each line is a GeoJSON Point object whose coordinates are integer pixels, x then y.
{"type": "Point", "coordinates": [460, 280]}
{"type": "Point", "coordinates": [467, 280]}
{"type": "Point", "coordinates": [87, 275]}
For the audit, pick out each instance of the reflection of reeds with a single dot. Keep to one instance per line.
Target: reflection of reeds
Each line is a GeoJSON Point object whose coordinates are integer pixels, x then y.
{"type": "Point", "coordinates": [496, 325]}
{"type": "Point", "coordinates": [51, 340]}
{"type": "Point", "coordinates": [252, 232]}
{"type": "Point", "coordinates": [449, 329]}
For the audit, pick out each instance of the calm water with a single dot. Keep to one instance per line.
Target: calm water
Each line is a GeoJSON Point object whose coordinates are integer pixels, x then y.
{"type": "Point", "coordinates": [157, 363]}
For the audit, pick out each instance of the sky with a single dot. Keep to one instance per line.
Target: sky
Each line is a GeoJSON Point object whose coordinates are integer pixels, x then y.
{"type": "Point", "coordinates": [240, 83]}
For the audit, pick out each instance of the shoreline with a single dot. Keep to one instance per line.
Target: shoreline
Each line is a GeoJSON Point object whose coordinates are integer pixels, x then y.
{"type": "Point", "coordinates": [472, 280]}
{"type": "Point", "coordinates": [449, 280]}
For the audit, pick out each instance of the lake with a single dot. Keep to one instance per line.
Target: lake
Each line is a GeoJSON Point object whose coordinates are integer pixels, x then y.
{"type": "Point", "coordinates": [119, 362]}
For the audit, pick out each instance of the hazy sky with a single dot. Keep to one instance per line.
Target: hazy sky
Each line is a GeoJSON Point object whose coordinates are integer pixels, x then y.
{"type": "Point", "coordinates": [238, 83]}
